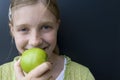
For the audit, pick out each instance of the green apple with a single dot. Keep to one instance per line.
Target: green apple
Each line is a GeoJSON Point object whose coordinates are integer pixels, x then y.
{"type": "Point", "coordinates": [32, 58]}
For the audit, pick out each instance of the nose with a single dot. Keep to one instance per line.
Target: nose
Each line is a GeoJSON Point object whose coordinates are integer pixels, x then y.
{"type": "Point", "coordinates": [35, 40]}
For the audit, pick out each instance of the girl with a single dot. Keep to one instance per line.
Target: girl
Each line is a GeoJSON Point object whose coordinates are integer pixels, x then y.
{"type": "Point", "coordinates": [34, 23]}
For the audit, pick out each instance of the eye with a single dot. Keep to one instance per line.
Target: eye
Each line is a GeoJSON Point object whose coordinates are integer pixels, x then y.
{"type": "Point", "coordinates": [23, 30]}
{"type": "Point", "coordinates": [46, 28]}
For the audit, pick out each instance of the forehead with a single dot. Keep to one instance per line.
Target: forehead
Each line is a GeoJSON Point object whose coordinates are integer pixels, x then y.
{"type": "Point", "coordinates": [31, 13]}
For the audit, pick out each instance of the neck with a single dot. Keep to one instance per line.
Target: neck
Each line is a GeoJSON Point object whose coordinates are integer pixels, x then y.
{"type": "Point", "coordinates": [57, 64]}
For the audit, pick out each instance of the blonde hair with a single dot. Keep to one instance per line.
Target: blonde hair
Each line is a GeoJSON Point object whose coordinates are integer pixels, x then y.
{"type": "Point", "coordinates": [50, 4]}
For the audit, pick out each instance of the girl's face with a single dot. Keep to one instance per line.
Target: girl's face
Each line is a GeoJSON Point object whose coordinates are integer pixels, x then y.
{"type": "Point", "coordinates": [34, 26]}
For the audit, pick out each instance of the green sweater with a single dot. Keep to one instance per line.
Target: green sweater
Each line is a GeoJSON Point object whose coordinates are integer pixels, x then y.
{"type": "Point", "coordinates": [74, 71]}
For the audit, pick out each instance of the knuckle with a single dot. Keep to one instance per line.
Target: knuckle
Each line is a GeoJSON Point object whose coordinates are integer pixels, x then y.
{"type": "Point", "coordinates": [48, 65]}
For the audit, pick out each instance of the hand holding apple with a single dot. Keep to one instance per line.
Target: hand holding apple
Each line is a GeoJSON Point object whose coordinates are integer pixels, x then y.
{"type": "Point", "coordinates": [32, 58]}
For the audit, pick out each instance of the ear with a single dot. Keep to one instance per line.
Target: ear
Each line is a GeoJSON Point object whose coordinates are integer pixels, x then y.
{"type": "Point", "coordinates": [11, 29]}
{"type": "Point", "coordinates": [58, 23]}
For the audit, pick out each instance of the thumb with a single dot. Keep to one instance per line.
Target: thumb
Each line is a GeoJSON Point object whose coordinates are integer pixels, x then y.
{"type": "Point", "coordinates": [18, 71]}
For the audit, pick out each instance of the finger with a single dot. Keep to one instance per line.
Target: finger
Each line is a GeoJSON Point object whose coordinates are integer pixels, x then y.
{"type": "Point", "coordinates": [18, 71]}
{"type": "Point", "coordinates": [40, 70]}
{"type": "Point", "coordinates": [51, 78]}
{"type": "Point", "coordinates": [45, 78]}
{"type": "Point", "coordinates": [42, 78]}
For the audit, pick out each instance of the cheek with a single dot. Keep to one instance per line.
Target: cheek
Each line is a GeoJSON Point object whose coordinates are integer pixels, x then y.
{"type": "Point", "coordinates": [20, 43]}
{"type": "Point", "coordinates": [51, 38]}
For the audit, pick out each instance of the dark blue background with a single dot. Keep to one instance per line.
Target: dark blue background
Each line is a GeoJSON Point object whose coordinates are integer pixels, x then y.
{"type": "Point", "coordinates": [89, 33]}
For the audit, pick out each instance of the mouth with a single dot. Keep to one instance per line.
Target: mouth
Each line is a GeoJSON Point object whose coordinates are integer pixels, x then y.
{"type": "Point", "coordinates": [44, 48]}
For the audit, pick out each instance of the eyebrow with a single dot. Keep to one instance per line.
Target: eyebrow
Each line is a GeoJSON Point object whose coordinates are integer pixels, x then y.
{"type": "Point", "coordinates": [46, 22]}
{"type": "Point", "coordinates": [22, 25]}
{"type": "Point", "coordinates": [40, 23]}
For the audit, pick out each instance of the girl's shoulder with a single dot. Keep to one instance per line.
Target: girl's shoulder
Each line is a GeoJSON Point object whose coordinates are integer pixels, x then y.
{"type": "Point", "coordinates": [6, 66]}
{"type": "Point", "coordinates": [74, 65]}
{"type": "Point", "coordinates": [7, 70]}
{"type": "Point", "coordinates": [9, 65]}
{"type": "Point", "coordinates": [76, 71]}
